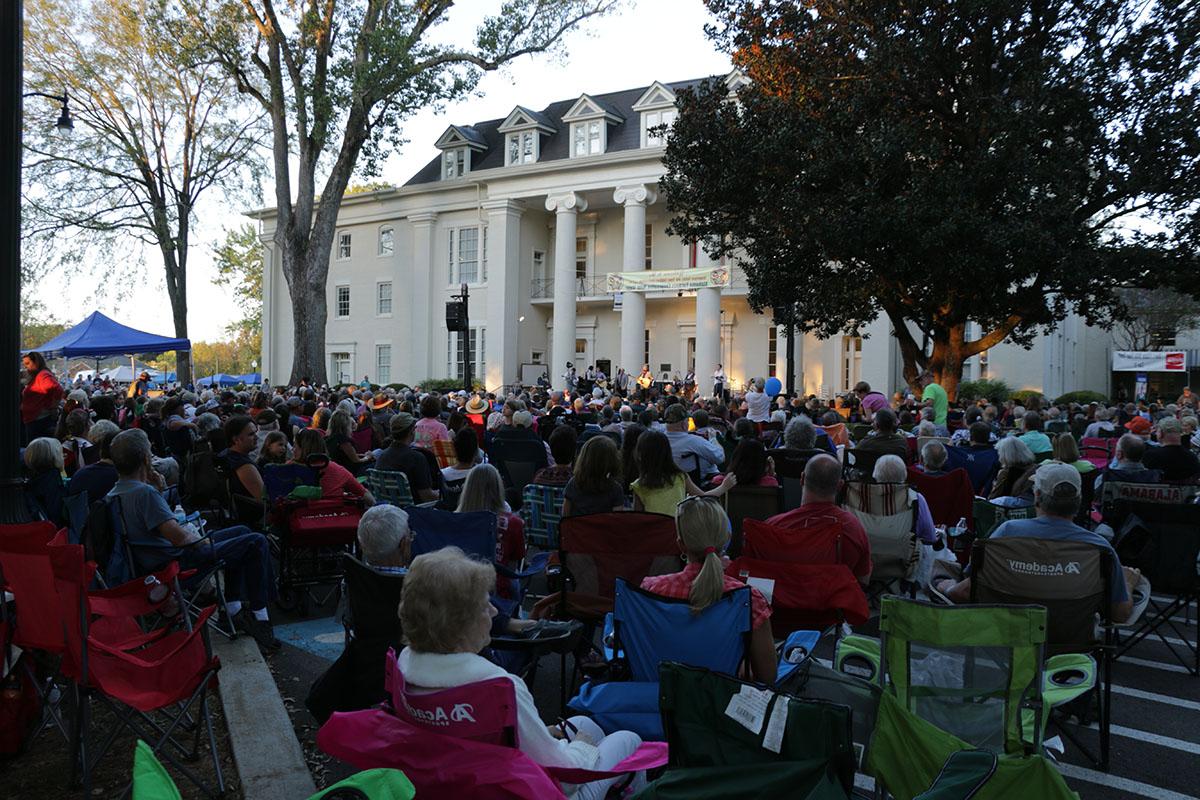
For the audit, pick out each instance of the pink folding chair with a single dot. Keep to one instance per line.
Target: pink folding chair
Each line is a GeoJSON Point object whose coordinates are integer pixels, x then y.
{"type": "Point", "coordinates": [458, 742]}
{"type": "Point", "coordinates": [1096, 451]}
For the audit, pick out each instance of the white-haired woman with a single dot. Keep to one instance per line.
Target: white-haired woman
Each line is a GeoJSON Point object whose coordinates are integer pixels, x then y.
{"type": "Point", "coordinates": [447, 619]}
{"type": "Point", "coordinates": [44, 464]}
{"type": "Point", "coordinates": [891, 469]}
{"type": "Point", "coordinates": [1017, 465]}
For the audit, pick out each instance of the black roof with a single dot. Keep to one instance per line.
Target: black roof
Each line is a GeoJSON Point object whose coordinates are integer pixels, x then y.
{"type": "Point", "coordinates": [625, 135]}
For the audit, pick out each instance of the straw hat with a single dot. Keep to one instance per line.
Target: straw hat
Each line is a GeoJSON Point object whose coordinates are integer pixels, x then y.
{"type": "Point", "coordinates": [380, 402]}
{"type": "Point", "coordinates": [476, 405]}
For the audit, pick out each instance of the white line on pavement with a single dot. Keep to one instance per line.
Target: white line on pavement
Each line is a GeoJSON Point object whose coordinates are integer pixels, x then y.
{"type": "Point", "coordinates": [1123, 784]}
{"type": "Point", "coordinates": [1144, 662]}
{"type": "Point", "coordinates": [1165, 699]}
{"type": "Point", "coordinates": [1151, 738]}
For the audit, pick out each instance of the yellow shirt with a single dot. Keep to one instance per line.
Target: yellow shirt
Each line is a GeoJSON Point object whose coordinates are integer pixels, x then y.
{"type": "Point", "coordinates": [662, 500]}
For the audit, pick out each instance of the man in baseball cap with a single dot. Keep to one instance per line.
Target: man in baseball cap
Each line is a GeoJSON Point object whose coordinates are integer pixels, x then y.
{"type": "Point", "coordinates": [1056, 494]}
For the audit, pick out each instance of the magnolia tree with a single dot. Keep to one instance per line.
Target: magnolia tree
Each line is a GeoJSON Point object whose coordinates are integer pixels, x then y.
{"type": "Point", "coordinates": [946, 163]}
{"type": "Point", "coordinates": [337, 79]}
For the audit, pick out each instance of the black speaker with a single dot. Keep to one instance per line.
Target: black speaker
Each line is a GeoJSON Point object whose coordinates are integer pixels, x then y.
{"type": "Point", "coordinates": [456, 320]}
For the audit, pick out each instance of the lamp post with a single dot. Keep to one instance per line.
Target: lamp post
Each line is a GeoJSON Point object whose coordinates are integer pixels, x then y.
{"type": "Point", "coordinates": [12, 505]}
{"type": "Point", "coordinates": [64, 123]}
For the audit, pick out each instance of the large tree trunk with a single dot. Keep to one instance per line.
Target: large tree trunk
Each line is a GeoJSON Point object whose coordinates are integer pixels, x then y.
{"type": "Point", "coordinates": [175, 268]}
{"type": "Point", "coordinates": [309, 315]}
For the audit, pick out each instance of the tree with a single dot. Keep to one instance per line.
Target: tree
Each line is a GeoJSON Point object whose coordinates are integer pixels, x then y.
{"type": "Point", "coordinates": [1000, 163]}
{"type": "Point", "coordinates": [1154, 317]}
{"type": "Point", "coordinates": [337, 79]}
{"type": "Point", "coordinates": [153, 134]}
{"type": "Point", "coordinates": [239, 263]}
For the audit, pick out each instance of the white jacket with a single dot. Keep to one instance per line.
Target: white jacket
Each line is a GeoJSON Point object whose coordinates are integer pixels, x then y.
{"type": "Point", "coordinates": [447, 670]}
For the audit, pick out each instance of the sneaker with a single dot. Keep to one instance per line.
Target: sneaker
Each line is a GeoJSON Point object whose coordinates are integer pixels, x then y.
{"type": "Point", "coordinates": [264, 635]}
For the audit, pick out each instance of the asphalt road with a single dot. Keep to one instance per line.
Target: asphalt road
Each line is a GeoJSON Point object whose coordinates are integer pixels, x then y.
{"type": "Point", "coordinates": [1155, 742]}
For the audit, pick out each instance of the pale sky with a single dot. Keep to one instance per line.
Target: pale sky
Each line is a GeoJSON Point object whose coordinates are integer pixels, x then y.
{"type": "Point", "coordinates": [649, 40]}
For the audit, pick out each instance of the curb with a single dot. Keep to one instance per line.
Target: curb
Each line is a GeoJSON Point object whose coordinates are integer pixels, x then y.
{"type": "Point", "coordinates": [267, 755]}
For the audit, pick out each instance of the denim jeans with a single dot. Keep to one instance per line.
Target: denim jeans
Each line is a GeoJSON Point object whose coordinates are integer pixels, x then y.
{"type": "Point", "coordinates": [247, 557]}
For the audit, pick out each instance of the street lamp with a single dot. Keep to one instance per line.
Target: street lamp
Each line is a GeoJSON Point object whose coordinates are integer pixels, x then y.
{"type": "Point", "coordinates": [64, 124]}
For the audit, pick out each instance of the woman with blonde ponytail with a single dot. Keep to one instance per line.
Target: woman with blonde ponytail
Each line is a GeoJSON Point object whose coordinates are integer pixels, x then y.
{"type": "Point", "coordinates": [702, 532]}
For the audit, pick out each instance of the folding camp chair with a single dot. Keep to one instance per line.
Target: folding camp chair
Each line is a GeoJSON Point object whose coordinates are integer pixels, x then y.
{"type": "Point", "coordinates": [390, 486]}
{"type": "Point", "coordinates": [1096, 450]}
{"type": "Point", "coordinates": [888, 513]}
{"type": "Point", "coordinates": [77, 508]}
{"type": "Point", "coordinates": [988, 515]}
{"type": "Point", "coordinates": [860, 431]}
{"type": "Point", "coordinates": [859, 465]}
{"type": "Point", "coordinates": [731, 739]}
{"type": "Point", "coordinates": [27, 572]}
{"type": "Point", "coordinates": [459, 742]}
{"type": "Point", "coordinates": [1163, 541]}
{"type": "Point", "coordinates": [981, 464]}
{"type": "Point", "coordinates": [1071, 580]}
{"type": "Point", "coordinates": [141, 678]}
{"type": "Point", "coordinates": [950, 497]}
{"type": "Point", "coordinates": [749, 502]}
{"type": "Point", "coordinates": [810, 587]}
{"type": "Point", "coordinates": [517, 460]}
{"type": "Point", "coordinates": [789, 471]}
{"type": "Point", "coordinates": [924, 440]}
{"type": "Point", "coordinates": [541, 510]}
{"type": "Point", "coordinates": [309, 538]}
{"type": "Point", "coordinates": [443, 450]}
{"type": "Point", "coordinates": [475, 532]}
{"type": "Point", "coordinates": [646, 629]}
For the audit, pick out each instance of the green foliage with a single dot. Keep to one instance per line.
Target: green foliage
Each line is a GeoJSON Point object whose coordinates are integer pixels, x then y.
{"type": "Point", "coordinates": [440, 385]}
{"type": "Point", "coordinates": [366, 187]}
{"type": "Point", "coordinates": [1023, 396]}
{"type": "Point", "coordinates": [994, 391]}
{"type": "Point", "coordinates": [239, 262]}
{"type": "Point", "coordinates": [1082, 396]}
{"type": "Point", "coordinates": [945, 163]}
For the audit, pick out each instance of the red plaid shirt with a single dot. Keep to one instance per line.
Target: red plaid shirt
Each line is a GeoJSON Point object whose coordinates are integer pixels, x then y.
{"type": "Point", "coordinates": [678, 585]}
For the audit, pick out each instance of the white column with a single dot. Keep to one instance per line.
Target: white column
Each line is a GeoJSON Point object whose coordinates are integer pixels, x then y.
{"type": "Point", "coordinates": [503, 293]}
{"type": "Point", "coordinates": [566, 207]}
{"type": "Point", "coordinates": [265, 360]}
{"type": "Point", "coordinates": [708, 335]}
{"type": "Point", "coordinates": [421, 308]}
{"type": "Point", "coordinates": [633, 304]}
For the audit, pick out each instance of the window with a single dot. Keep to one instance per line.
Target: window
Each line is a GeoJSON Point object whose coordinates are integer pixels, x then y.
{"type": "Point", "coordinates": [342, 302]}
{"type": "Point", "coordinates": [455, 361]}
{"type": "Point", "coordinates": [522, 147]}
{"type": "Point", "coordinates": [581, 257]}
{"type": "Point", "coordinates": [339, 368]}
{"type": "Point", "coordinates": [645, 349]}
{"type": "Point", "coordinates": [772, 350]}
{"type": "Point", "coordinates": [387, 241]}
{"type": "Point", "coordinates": [383, 363]}
{"type": "Point", "coordinates": [587, 138]}
{"type": "Point", "coordinates": [467, 263]}
{"type": "Point", "coordinates": [649, 247]}
{"type": "Point", "coordinates": [851, 361]}
{"type": "Point", "coordinates": [454, 163]}
{"type": "Point", "coordinates": [536, 356]}
{"type": "Point", "coordinates": [539, 264]}
{"type": "Point", "coordinates": [343, 251]}
{"type": "Point", "coordinates": [383, 298]}
{"type": "Point", "coordinates": [656, 119]}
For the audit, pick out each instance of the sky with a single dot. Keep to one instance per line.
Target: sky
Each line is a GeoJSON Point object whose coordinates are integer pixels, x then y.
{"type": "Point", "coordinates": [645, 41]}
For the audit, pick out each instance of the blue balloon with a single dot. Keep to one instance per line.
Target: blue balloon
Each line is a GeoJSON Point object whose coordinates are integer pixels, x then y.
{"type": "Point", "coordinates": [773, 386]}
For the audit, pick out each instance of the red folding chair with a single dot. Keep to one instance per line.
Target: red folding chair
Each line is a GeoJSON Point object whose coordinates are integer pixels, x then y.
{"type": "Point", "coordinates": [151, 681]}
{"type": "Point", "coordinates": [950, 497]}
{"type": "Point", "coordinates": [26, 572]}
{"type": "Point", "coordinates": [1096, 451]}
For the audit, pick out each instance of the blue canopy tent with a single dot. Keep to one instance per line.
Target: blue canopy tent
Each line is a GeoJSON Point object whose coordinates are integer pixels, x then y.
{"type": "Point", "coordinates": [220, 379]}
{"type": "Point", "coordinates": [250, 378]}
{"type": "Point", "coordinates": [99, 336]}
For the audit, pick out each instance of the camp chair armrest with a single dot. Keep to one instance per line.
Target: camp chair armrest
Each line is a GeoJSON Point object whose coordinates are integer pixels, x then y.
{"type": "Point", "coordinates": [536, 566]}
{"type": "Point", "coordinates": [131, 598]}
{"type": "Point", "coordinates": [428, 504]}
{"type": "Point", "coordinates": [181, 641]}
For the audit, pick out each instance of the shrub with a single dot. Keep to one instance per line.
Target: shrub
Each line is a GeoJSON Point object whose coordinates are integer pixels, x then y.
{"type": "Point", "coordinates": [994, 391]}
{"type": "Point", "coordinates": [1023, 396]}
{"type": "Point", "coordinates": [1082, 396]}
{"type": "Point", "coordinates": [440, 385]}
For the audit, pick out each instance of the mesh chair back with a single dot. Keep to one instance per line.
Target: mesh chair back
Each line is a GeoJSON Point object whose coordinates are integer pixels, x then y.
{"type": "Point", "coordinates": [596, 549]}
{"type": "Point", "coordinates": [967, 669]}
{"type": "Point", "coordinates": [373, 598]}
{"type": "Point", "coordinates": [517, 460]}
{"type": "Point", "coordinates": [988, 515]}
{"type": "Point", "coordinates": [390, 486]}
{"type": "Point", "coordinates": [980, 463]}
{"type": "Point", "coordinates": [888, 513]}
{"type": "Point", "coordinates": [750, 502]}
{"type": "Point", "coordinates": [814, 681]}
{"type": "Point", "coordinates": [1069, 578]}
{"type": "Point", "coordinates": [1163, 541]}
{"type": "Point", "coordinates": [474, 532]}
{"type": "Point", "coordinates": [649, 629]}
{"type": "Point", "coordinates": [1096, 450]}
{"type": "Point", "coordinates": [541, 509]}
{"type": "Point", "coordinates": [789, 471]}
{"type": "Point", "coordinates": [29, 575]}
{"type": "Point", "coordinates": [860, 464]}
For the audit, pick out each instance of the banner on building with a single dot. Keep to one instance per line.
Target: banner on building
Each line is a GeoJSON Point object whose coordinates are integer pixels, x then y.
{"type": "Point", "coordinates": [675, 280]}
{"type": "Point", "coordinates": [1149, 361]}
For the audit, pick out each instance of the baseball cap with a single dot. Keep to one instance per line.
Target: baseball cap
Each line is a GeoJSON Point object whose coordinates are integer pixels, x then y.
{"type": "Point", "coordinates": [1053, 474]}
{"type": "Point", "coordinates": [1139, 425]}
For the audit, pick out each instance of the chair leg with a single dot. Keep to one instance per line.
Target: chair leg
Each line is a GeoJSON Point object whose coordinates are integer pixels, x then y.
{"type": "Point", "coordinates": [77, 748]}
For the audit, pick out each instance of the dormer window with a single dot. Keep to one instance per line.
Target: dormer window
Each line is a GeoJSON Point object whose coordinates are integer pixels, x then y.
{"type": "Point", "coordinates": [454, 163]}
{"type": "Point", "coordinates": [457, 144]}
{"type": "Point", "coordinates": [589, 119]}
{"type": "Point", "coordinates": [658, 112]}
{"type": "Point", "coordinates": [523, 131]}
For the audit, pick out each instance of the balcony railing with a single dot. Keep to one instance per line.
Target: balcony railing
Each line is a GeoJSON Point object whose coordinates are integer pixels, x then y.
{"type": "Point", "coordinates": [597, 286]}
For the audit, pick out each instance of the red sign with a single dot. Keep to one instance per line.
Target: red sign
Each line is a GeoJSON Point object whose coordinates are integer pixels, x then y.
{"type": "Point", "coordinates": [1175, 362]}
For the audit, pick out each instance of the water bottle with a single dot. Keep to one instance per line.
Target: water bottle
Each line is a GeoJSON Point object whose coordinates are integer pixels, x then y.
{"type": "Point", "coordinates": [180, 514]}
{"type": "Point", "coordinates": [156, 591]}
{"type": "Point", "coordinates": [960, 528]}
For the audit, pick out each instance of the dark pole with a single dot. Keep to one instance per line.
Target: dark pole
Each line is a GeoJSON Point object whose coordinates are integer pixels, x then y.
{"type": "Point", "coordinates": [466, 334]}
{"type": "Point", "coordinates": [791, 358]}
{"type": "Point", "coordinates": [12, 505]}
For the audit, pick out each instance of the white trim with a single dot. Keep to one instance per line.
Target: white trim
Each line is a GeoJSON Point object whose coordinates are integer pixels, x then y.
{"type": "Point", "coordinates": [586, 107]}
{"type": "Point", "coordinates": [336, 303]}
{"type": "Point", "coordinates": [521, 118]}
{"type": "Point", "coordinates": [337, 245]}
{"type": "Point", "coordinates": [656, 96]}
{"type": "Point", "coordinates": [453, 137]}
{"type": "Point", "coordinates": [586, 126]}
{"type": "Point", "coordinates": [379, 240]}
{"type": "Point", "coordinates": [391, 298]}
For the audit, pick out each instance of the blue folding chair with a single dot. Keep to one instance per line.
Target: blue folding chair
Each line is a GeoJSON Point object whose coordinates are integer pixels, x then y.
{"type": "Point", "coordinates": [980, 463]}
{"type": "Point", "coordinates": [645, 629]}
{"type": "Point", "coordinates": [475, 533]}
{"type": "Point", "coordinates": [280, 480]}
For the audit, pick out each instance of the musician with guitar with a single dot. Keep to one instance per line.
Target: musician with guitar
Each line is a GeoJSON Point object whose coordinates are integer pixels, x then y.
{"type": "Point", "coordinates": [645, 381]}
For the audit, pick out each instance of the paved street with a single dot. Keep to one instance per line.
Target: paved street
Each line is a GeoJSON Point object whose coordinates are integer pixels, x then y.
{"type": "Point", "coordinates": [1156, 712]}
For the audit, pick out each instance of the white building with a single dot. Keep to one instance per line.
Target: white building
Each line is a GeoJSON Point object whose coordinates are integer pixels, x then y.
{"type": "Point", "coordinates": [533, 212]}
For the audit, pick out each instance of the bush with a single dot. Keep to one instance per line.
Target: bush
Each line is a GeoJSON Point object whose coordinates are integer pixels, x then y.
{"type": "Point", "coordinates": [1023, 396]}
{"type": "Point", "coordinates": [1083, 396]}
{"type": "Point", "coordinates": [994, 391]}
{"type": "Point", "coordinates": [440, 385]}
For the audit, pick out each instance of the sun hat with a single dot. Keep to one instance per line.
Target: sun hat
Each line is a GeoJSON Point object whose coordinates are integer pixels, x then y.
{"type": "Point", "coordinates": [380, 402]}
{"type": "Point", "coordinates": [1139, 425]}
{"type": "Point", "coordinates": [477, 405]}
{"type": "Point", "coordinates": [1052, 474]}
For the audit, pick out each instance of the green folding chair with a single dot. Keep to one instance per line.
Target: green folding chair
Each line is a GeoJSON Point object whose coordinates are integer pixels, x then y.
{"type": "Point", "coordinates": [729, 739]}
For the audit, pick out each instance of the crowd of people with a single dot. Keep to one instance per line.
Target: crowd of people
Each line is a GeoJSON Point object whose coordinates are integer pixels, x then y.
{"type": "Point", "coordinates": [666, 452]}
